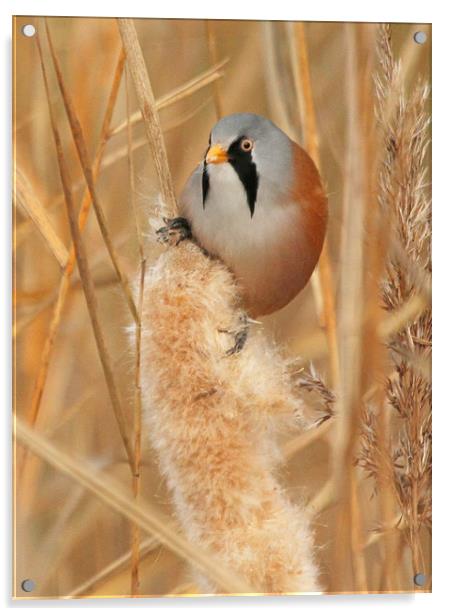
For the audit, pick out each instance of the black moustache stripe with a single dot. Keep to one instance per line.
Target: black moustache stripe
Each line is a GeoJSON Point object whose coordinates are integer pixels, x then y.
{"type": "Point", "coordinates": [242, 163]}
{"type": "Point", "coordinates": [205, 183]}
{"type": "Point", "coordinates": [249, 177]}
{"type": "Point", "coordinates": [245, 168]}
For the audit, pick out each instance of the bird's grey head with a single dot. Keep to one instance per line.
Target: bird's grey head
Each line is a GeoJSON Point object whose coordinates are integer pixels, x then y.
{"type": "Point", "coordinates": [259, 152]}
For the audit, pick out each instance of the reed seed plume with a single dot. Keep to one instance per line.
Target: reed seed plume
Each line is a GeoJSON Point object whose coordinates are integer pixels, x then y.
{"type": "Point", "coordinates": [404, 199]}
{"type": "Point", "coordinates": [317, 395]}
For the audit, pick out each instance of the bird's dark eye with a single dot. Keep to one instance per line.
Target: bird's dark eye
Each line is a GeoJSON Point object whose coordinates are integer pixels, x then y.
{"type": "Point", "coordinates": [246, 144]}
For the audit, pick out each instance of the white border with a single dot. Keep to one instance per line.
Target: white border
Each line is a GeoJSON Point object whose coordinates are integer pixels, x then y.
{"type": "Point", "coordinates": [382, 10]}
{"type": "Point", "coordinates": [379, 10]}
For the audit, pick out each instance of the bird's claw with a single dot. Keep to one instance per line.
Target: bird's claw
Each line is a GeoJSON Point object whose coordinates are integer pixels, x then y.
{"type": "Point", "coordinates": [175, 231]}
{"type": "Point", "coordinates": [240, 338]}
{"type": "Point", "coordinates": [240, 334]}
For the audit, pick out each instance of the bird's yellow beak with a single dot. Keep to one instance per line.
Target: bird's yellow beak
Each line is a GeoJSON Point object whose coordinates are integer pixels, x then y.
{"type": "Point", "coordinates": [216, 154]}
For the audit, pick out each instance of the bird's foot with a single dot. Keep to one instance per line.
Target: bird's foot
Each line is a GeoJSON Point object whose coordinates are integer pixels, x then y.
{"type": "Point", "coordinates": [175, 231]}
{"type": "Point", "coordinates": [240, 338]}
{"type": "Point", "coordinates": [240, 334]}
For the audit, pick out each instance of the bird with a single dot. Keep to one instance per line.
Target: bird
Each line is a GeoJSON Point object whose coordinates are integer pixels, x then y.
{"type": "Point", "coordinates": [256, 201]}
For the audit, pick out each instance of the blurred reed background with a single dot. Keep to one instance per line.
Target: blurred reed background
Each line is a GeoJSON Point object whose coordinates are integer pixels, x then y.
{"type": "Point", "coordinates": [361, 329]}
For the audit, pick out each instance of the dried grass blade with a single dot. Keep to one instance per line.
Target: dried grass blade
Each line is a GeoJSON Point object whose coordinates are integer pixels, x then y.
{"type": "Point", "coordinates": [137, 416]}
{"type": "Point", "coordinates": [351, 326]}
{"type": "Point", "coordinates": [406, 313]}
{"type": "Point", "coordinates": [70, 263]}
{"type": "Point", "coordinates": [273, 74]}
{"type": "Point", "coordinates": [118, 153]}
{"type": "Point", "coordinates": [77, 134]}
{"type": "Point", "coordinates": [88, 286]}
{"type": "Point", "coordinates": [147, 105]}
{"type": "Point", "coordinates": [24, 196]}
{"type": "Point", "coordinates": [21, 324]}
{"type": "Point", "coordinates": [146, 547]}
{"type": "Point", "coordinates": [214, 56]}
{"type": "Point", "coordinates": [305, 439]}
{"type": "Point", "coordinates": [41, 378]}
{"type": "Point", "coordinates": [137, 439]}
{"type": "Point", "coordinates": [302, 80]}
{"type": "Point", "coordinates": [212, 75]}
{"type": "Point", "coordinates": [118, 499]}
{"type": "Point", "coordinates": [80, 405]}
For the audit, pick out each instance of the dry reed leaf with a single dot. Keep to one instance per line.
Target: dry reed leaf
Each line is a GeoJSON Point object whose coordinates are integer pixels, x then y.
{"type": "Point", "coordinates": [207, 77]}
{"type": "Point", "coordinates": [101, 163]}
{"type": "Point", "coordinates": [117, 498]}
{"type": "Point", "coordinates": [27, 199]}
{"type": "Point", "coordinates": [86, 279]}
{"type": "Point", "coordinates": [65, 280]}
{"type": "Point", "coordinates": [351, 322]}
{"type": "Point", "coordinates": [214, 57]}
{"type": "Point", "coordinates": [323, 275]}
{"type": "Point", "coordinates": [80, 143]}
{"type": "Point", "coordinates": [273, 76]}
{"type": "Point", "coordinates": [210, 76]}
{"type": "Point", "coordinates": [119, 152]}
{"type": "Point", "coordinates": [137, 413]}
{"type": "Point", "coordinates": [302, 441]}
{"type": "Point", "coordinates": [146, 547]}
{"type": "Point", "coordinates": [183, 590]}
{"type": "Point", "coordinates": [404, 314]}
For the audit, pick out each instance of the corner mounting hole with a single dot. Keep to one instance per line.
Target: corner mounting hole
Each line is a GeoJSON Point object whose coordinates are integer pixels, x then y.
{"type": "Point", "coordinates": [28, 30]}
{"type": "Point", "coordinates": [28, 585]}
{"type": "Point", "coordinates": [420, 37]}
{"type": "Point", "coordinates": [419, 579]}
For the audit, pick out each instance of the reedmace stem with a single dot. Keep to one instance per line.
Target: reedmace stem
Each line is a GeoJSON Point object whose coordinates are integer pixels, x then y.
{"type": "Point", "coordinates": [147, 105]}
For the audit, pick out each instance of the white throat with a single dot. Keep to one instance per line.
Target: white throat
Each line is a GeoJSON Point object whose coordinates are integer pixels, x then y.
{"type": "Point", "coordinates": [225, 227]}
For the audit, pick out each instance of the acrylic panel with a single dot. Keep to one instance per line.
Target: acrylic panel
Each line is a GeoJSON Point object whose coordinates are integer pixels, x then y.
{"type": "Point", "coordinates": [222, 307]}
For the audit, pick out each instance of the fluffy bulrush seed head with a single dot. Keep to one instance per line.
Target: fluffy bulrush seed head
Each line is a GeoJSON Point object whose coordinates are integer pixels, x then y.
{"type": "Point", "coordinates": [214, 420]}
